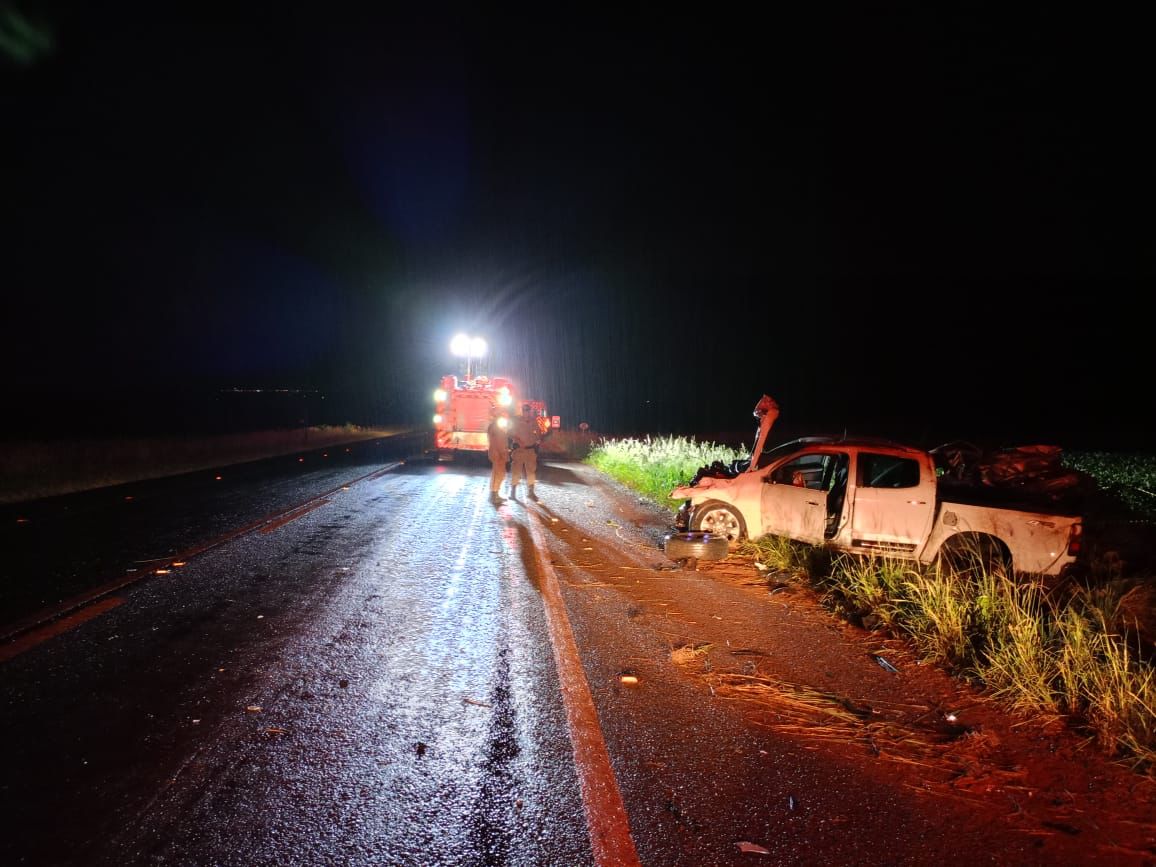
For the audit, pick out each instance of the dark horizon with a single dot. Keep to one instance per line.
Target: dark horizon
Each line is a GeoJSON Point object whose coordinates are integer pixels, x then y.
{"type": "Point", "coordinates": [917, 224]}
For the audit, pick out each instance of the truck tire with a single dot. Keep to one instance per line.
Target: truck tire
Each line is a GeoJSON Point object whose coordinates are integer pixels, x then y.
{"type": "Point", "coordinates": [720, 520]}
{"type": "Point", "coordinates": [974, 554]}
{"type": "Point", "coordinates": [696, 546]}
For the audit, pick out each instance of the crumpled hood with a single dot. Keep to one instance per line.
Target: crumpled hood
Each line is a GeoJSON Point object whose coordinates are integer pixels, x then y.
{"type": "Point", "coordinates": [705, 483]}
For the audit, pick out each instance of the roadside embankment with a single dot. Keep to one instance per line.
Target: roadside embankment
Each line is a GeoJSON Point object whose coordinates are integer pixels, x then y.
{"type": "Point", "coordinates": [31, 470]}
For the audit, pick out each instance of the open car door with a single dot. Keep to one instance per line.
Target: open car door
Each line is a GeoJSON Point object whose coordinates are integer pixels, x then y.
{"type": "Point", "coordinates": [797, 496]}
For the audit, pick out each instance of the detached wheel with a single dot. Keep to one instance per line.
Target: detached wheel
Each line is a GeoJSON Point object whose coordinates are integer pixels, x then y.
{"type": "Point", "coordinates": [720, 520]}
{"type": "Point", "coordinates": [696, 546]}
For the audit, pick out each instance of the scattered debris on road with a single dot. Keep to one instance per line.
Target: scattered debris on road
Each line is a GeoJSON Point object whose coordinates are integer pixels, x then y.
{"type": "Point", "coordinates": [884, 664]}
{"type": "Point", "coordinates": [752, 848]}
{"type": "Point", "coordinates": [689, 653]}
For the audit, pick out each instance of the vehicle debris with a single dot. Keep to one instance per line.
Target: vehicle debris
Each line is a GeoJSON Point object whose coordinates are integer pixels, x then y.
{"type": "Point", "coordinates": [1030, 469]}
{"type": "Point", "coordinates": [752, 848]}
{"type": "Point", "coordinates": [884, 664]}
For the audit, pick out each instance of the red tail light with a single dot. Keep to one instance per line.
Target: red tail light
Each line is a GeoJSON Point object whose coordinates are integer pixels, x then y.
{"type": "Point", "coordinates": [1075, 539]}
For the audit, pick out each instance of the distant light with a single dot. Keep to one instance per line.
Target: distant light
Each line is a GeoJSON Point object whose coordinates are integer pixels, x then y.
{"type": "Point", "coordinates": [301, 460]}
{"type": "Point", "coordinates": [460, 345]}
{"type": "Point", "coordinates": [437, 418]}
{"type": "Point", "coordinates": [218, 478]}
{"type": "Point", "coordinates": [440, 395]}
{"type": "Point", "coordinates": [177, 564]}
{"type": "Point", "coordinates": [629, 679]}
{"type": "Point", "coordinates": [477, 347]}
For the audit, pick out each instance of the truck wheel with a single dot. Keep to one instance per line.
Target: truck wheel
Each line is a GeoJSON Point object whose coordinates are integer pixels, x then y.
{"type": "Point", "coordinates": [720, 519]}
{"type": "Point", "coordinates": [975, 554]}
{"type": "Point", "coordinates": [696, 546]}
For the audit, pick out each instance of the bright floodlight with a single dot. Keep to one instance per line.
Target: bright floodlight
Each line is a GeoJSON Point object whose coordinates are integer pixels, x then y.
{"type": "Point", "coordinates": [477, 347]}
{"type": "Point", "coordinates": [460, 345]}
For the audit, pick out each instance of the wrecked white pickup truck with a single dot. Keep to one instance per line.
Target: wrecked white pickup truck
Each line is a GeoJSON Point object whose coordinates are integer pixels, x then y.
{"type": "Point", "coordinates": [872, 497]}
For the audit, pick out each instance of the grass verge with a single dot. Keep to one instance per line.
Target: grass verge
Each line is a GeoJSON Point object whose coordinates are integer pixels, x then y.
{"type": "Point", "coordinates": [654, 466]}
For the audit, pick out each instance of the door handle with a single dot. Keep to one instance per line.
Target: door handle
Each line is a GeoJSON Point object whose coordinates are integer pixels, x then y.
{"type": "Point", "coordinates": [917, 502]}
{"type": "Point", "coordinates": [811, 503]}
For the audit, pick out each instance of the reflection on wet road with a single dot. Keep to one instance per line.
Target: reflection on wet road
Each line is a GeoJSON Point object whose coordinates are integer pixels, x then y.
{"type": "Point", "coordinates": [370, 683]}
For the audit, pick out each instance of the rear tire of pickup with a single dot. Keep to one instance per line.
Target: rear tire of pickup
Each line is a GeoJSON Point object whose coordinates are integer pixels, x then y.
{"type": "Point", "coordinates": [974, 554]}
{"type": "Point", "coordinates": [719, 519]}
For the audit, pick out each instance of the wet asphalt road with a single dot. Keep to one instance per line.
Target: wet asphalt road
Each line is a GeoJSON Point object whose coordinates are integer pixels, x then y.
{"type": "Point", "coordinates": [370, 683]}
{"type": "Point", "coordinates": [59, 547]}
{"type": "Point", "coordinates": [374, 680]}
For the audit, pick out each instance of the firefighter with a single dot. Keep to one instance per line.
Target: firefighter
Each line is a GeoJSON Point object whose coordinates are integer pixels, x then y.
{"type": "Point", "coordinates": [499, 451]}
{"type": "Point", "coordinates": [526, 437]}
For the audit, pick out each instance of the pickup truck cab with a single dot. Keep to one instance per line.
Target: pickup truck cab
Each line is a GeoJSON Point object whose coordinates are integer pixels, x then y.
{"type": "Point", "coordinates": [873, 497]}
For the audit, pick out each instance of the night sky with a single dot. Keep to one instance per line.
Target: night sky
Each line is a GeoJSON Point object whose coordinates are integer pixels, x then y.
{"type": "Point", "coordinates": [918, 222]}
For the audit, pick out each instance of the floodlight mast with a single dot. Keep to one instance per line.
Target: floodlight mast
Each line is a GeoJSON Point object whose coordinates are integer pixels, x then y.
{"type": "Point", "coordinates": [469, 348]}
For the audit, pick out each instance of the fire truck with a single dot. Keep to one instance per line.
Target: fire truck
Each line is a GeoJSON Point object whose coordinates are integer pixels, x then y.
{"type": "Point", "coordinates": [462, 412]}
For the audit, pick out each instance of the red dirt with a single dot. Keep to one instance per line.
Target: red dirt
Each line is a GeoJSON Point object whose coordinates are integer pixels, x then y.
{"type": "Point", "coordinates": [1035, 775]}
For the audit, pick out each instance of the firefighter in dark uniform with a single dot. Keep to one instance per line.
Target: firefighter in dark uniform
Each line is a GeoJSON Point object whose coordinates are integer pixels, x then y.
{"type": "Point", "coordinates": [526, 437]}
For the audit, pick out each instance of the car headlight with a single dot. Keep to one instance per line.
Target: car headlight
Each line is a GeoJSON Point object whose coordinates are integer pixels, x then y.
{"type": "Point", "coordinates": [437, 418]}
{"type": "Point", "coordinates": [440, 395]}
